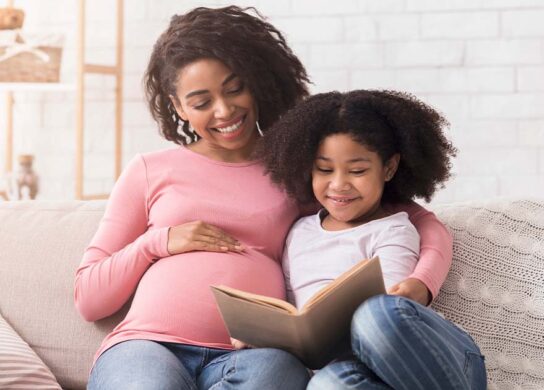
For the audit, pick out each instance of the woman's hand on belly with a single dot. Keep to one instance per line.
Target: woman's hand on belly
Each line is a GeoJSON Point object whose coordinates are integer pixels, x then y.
{"type": "Point", "coordinates": [200, 236]}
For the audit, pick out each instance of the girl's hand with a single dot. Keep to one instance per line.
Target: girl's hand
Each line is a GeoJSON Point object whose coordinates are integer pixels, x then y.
{"type": "Point", "coordinates": [413, 289]}
{"type": "Point", "coordinates": [237, 344]}
{"type": "Point", "coordinates": [200, 236]}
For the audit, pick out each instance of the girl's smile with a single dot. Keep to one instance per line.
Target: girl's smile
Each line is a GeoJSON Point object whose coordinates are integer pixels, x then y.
{"type": "Point", "coordinates": [341, 201]}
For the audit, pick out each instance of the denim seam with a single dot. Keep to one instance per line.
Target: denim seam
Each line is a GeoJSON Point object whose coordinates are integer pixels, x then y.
{"type": "Point", "coordinates": [468, 355]}
{"type": "Point", "coordinates": [227, 375]}
{"type": "Point", "coordinates": [364, 356]}
{"type": "Point", "coordinates": [397, 302]}
{"type": "Point", "coordinates": [203, 361]}
{"type": "Point", "coordinates": [432, 350]}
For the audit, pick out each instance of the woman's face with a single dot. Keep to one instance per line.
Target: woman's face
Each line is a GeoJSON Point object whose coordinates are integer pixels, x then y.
{"type": "Point", "coordinates": [220, 109]}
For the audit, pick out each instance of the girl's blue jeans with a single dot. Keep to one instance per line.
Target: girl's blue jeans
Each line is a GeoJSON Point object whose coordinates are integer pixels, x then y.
{"type": "Point", "coordinates": [150, 365]}
{"type": "Point", "coordinates": [399, 344]}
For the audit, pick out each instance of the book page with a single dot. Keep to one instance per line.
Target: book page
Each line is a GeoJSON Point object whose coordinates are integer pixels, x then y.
{"type": "Point", "coordinates": [336, 282]}
{"type": "Point", "coordinates": [260, 299]}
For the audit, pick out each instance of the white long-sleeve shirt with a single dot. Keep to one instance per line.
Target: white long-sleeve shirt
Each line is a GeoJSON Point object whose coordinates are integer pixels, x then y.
{"type": "Point", "coordinates": [314, 257]}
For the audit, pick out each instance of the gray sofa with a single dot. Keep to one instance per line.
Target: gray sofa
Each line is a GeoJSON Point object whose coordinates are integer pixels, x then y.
{"type": "Point", "coordinates": [495, 288]}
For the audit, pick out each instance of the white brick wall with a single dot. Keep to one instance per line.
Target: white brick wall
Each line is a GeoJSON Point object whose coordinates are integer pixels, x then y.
{"type": "Point", "coordinates": [480, 62]}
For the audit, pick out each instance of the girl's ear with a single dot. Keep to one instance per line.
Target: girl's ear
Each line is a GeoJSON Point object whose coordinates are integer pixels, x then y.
{"type": "Point", "coordinates": [391, 166]}
{"type": "Point", "coordinates": [177, 106]}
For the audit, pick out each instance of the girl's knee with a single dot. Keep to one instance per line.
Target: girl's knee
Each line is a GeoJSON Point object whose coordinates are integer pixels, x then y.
{"type": "Point", "coordinates": [372, 309]}
{"type": "Point", "coordinates": [378, 318]}
{"type": "Point", "coordinates": [383, 308]}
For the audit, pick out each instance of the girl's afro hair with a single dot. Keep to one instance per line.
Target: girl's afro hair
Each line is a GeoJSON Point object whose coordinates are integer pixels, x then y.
{"type": "Point", "coordinates": [386, 122]}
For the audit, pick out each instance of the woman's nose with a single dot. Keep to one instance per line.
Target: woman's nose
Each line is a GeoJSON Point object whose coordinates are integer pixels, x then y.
{"type": "Point", "coordinates": [223, 109]}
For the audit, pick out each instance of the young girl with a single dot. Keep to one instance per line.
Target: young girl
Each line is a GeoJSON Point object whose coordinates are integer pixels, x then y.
{"type": "Point", "coordinates": [355, 153]}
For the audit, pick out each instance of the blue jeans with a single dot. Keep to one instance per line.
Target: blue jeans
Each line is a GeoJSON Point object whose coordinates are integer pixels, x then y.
{"type": "Point", "coordinates": [150, 365]}
{"type": "Point", "coordinates": [399, 344]}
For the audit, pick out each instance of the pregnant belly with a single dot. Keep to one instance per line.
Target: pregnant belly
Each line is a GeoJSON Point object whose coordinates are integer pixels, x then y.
{"type": "Point", "coordinates": [174, 296]}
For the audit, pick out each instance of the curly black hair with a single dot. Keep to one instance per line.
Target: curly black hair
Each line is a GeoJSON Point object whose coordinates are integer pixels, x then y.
{"type": "Point", "coordinates": [251, 47]}
{"type": "Point", "coordinates": [386, 122]}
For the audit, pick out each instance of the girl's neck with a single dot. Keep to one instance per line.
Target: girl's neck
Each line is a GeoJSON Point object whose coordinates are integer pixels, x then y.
{"type": "Point", "coordinates": [331, 224]}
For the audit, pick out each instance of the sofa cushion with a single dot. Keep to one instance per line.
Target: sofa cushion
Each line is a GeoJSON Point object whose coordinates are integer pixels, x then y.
{"type": "Point", "coordinates": [495, 288]}
{"type": "Point", "coordinates": [20, 367]}
{"type": "Point", "coordinates": [41, 246]}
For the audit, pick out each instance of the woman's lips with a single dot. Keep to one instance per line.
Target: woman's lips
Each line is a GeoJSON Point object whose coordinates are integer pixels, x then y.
{"type": "Point", "coordinates": [232, 130]}
{"type": "Point", "coordinates": [225, 127]}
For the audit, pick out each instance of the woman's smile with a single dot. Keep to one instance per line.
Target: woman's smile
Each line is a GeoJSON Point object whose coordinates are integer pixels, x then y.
{"type": "Point", "coordinates": [232, 129]}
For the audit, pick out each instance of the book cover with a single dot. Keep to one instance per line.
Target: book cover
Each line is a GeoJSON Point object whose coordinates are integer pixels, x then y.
{"type": "Point", "coordinates": [312, 333]}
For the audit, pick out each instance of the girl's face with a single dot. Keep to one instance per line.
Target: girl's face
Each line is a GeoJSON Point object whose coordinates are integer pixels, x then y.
{"type": "Point", "coordinates": [219, 108]}
{"type": "Point", "coordinates": [348, 181]}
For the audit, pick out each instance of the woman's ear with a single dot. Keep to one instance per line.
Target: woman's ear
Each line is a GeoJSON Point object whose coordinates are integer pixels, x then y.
{"type": "Point", "coordinates": [391, 166]}
{"type": "Point", "coordinates": [177, 106]}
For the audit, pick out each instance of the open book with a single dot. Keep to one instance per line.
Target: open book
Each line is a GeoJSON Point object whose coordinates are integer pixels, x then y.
{"type": "Point", "coordinates": [314, 332]}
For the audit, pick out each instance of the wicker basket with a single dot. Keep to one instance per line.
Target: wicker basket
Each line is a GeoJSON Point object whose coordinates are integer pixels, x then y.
{"type": "Point", "coordinates": [11, 18]}
{"type": "Point", "coordinates": [29, 58]}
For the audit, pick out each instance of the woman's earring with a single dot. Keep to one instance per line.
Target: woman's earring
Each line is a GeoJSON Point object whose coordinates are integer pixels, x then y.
{"type": "Point", "coordinates": [259, 129]}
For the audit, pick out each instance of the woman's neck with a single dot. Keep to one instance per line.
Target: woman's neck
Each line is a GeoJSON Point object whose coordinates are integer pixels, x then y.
{"type": "Point", "coordinates": [222, 154]}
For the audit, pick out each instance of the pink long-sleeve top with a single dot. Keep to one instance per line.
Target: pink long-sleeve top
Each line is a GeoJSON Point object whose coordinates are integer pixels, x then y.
{"type": "Point", "coordinates": [172, 299]}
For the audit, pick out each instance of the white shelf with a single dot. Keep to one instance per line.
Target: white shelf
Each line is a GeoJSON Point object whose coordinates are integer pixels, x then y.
{"type": "Point", "coordinates": [15, 87]}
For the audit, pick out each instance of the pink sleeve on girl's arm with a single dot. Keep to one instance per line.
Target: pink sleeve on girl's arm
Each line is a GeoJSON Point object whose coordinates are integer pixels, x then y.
{"type": "Point", "coordinates": [121, 250]}
{"type": "Point", "coordinates": [435, 248]}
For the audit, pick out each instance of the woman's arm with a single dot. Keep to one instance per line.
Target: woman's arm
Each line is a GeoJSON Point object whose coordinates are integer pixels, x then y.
{"type": "Point", "coordinates": [434, 259]}
{"type": "Point", "coordinates": [121, 250]}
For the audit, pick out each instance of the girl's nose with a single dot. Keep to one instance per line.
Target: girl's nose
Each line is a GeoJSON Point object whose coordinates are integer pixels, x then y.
{"type": "Point", "coordinates": [339, 183]}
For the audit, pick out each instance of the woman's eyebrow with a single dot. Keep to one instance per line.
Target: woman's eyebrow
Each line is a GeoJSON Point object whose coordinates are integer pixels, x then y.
{"type": "Point", "coordinates": [229, 78]}
{"type": "Point", "coordinates": [203, 91]}
{"type": "Point", "coordinates": [197, 92]}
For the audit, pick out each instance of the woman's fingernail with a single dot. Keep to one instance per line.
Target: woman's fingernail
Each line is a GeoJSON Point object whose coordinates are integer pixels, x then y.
{"type": "Point", "coordinates": [224, 248]}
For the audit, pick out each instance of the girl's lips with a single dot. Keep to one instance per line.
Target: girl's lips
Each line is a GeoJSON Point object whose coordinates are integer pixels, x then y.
{"type": "Point", "coordinates": [341, 200]}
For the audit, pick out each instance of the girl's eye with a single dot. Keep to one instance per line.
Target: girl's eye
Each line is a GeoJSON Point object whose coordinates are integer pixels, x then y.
{"type": "Point", "coordinates": [323, 170]}
{"type": "Point", "coordinates": [358, 171]}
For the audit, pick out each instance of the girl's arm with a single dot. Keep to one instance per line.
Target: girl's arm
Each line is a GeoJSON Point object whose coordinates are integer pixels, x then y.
{"type": "Point", "coordinates": [397, 246]}
{"type": "Point", "coordinates": [121, 250]}
{"type": "Point", "coordinates": [434, 259]}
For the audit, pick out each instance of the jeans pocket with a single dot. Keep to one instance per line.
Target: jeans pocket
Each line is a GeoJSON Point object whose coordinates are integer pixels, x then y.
{"type": "Point", "coordinates": [475, 371]}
